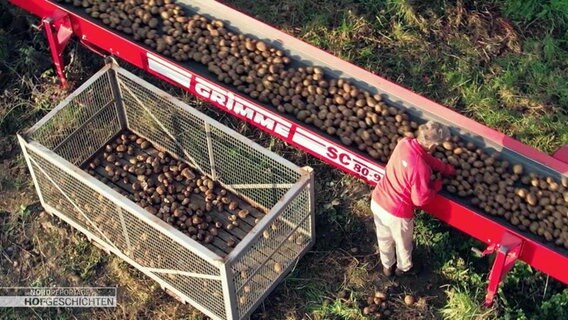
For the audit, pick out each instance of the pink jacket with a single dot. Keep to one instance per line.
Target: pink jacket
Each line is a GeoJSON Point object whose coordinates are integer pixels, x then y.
{"type": "Point", "coordinates": [406, 183]}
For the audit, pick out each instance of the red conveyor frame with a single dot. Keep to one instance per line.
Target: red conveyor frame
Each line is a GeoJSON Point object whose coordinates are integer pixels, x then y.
{"type": "Point", "coordinates": [509, 244]}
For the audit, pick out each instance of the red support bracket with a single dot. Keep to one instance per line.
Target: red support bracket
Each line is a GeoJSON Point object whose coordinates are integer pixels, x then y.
{"type": "Point", "coordinates": [507, 253]}
{"type": "Point", "coordinates": [58, 32]}
{"type": "Point", "coordinates": [489, 250]}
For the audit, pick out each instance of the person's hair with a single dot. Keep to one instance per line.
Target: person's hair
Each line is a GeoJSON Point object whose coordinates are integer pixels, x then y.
{"type": "Point", "coordinates": [432, 133]}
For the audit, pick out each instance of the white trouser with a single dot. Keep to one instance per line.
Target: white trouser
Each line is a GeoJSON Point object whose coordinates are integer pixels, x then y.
{"type": "Point", "coordinates": [393, 233]}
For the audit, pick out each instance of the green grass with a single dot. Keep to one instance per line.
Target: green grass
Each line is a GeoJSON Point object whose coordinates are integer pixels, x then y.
{"type": "Point", "coordinates": [339, 309]}
{"type": "Point", "coordinates": [90, 259]}
{"type": "Point", "coordinates": [505, 70]}
{"type": "Point", "coordinates": [556, 307]}
{"type": "Point", "coordinates": [552, 13]}
{"type": "Point", "coordinates": [463, 305]}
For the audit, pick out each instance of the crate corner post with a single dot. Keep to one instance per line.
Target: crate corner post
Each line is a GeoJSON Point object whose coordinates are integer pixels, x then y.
{"type": "Point", "coordinates": [229, 292]}
{"type": "Point", "coordinates": [23, 145]}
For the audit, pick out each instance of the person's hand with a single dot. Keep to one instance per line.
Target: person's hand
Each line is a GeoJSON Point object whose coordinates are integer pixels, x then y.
{"type": "Point", "coordinates": [449, 170]}
{"type": "Point", "coordinates": [437, 185]}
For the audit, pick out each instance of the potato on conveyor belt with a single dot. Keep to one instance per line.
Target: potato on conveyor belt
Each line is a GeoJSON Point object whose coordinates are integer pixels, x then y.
{"type": "Point", "coordinates": [357, 118]}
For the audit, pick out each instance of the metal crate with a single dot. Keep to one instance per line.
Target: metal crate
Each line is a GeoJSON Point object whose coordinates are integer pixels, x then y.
{"type": "Point", "coordinates": [222, 287]}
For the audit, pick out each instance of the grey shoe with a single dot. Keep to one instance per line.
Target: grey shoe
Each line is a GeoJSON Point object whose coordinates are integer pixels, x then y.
{"type": "Point", "coordinates": [414, 271]}
{"type": "Point", "coordinates": [387, 271]}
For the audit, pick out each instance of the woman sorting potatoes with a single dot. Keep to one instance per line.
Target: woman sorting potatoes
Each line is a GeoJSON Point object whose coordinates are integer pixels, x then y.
{"type": "Point", "coordinates": [405, 186]}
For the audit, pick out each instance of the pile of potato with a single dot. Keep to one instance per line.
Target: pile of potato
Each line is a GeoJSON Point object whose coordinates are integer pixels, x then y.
{"type": "Point", "coordinates": [164, 186]}
{"type": "Point", "coordinates": [530, 202]}
{"type": "Point", "coordinates": [356, 117]}
{"type": "Point", "coordinates": [335, 106]}
{"type": "Point", "coordinates": [376, 306]}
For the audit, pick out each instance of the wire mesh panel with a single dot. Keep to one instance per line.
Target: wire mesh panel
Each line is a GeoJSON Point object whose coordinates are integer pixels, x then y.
{"type": "Point", "coordinates": [83, 205]}
{"type": "Point", "coordinates": [117, 227]}
{"type": "Point", "coordinates": [91, 119]}
{"type": "Point", "coordinates": [87, 122]}
{"type": "Point", "coordinates": [249, 171]}
{"type": "Point", "coordinates": [165, 124]}
{"type": "Point", "coordinates": [170, 261]}
{"type": "Point", "coordinates": [259, 265]}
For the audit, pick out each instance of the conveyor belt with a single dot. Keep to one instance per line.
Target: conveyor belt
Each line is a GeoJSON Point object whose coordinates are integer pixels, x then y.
{"type": "Point", "coordinates": [419, 114]}
{"type": "Point", "coordinates": [457, 212]}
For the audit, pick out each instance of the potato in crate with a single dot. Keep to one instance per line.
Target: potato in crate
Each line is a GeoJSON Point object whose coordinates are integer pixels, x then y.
{"type": "Point", "coordinates": [213, 217]}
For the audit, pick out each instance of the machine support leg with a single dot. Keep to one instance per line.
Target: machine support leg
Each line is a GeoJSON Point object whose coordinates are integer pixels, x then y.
{"type": "Point", "coordinates": [58, 33]}
{"type": "Point", "coordinates": [507, 253]}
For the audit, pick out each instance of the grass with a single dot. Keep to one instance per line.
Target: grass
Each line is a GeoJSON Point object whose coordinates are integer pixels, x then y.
{"type": "Point", "coordinates": [332, 288]}
{"type": "Point", "coordinates": [500, 62]}
{"type": "Point", "coordinates": [462, 306]}
{"type": "Point", "coordinates": [467, 55]}
{"type": "Point", "coordinates": [339, 309]}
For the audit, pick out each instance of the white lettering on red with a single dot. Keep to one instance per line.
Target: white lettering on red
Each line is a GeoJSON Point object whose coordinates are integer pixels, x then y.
{"type": "Point", "coordinates": [218, 97]}
{"type": "Point", "coordinates": [240, 107]}
{"type": "Point", "coordinates": [202, 90]}
{"type": "Point", "coordinates": [243, 110]}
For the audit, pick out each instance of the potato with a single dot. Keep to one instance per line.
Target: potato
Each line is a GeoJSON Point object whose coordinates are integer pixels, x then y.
{"type": "Point", "coordinates": [478, 164]}
{"type": "Point", "coordinates": [518, 169]}
{"type": "Point", "coordinates": [366, 311]}
{"type": "Point", "coordinates": [337, 107]}
{"type": "Point", "coordinates": [409, 300]}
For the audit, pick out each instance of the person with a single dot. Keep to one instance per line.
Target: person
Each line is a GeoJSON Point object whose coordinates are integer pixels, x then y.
{"type": "Point", "coordinates": [406, 185]}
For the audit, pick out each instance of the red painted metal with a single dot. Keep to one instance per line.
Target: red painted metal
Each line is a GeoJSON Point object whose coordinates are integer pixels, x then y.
{"type": "Point", "coordinates": [562, 153]}
{"type": "Point", "coordinates": [490, 231]}
{"type": "Point", "coordinates": [508, 252]}
{"type": "Point", "coordinates": [58, 34]}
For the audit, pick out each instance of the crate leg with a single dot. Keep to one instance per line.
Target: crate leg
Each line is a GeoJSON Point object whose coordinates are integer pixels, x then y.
{"type": "Point", "coordinates": [58, 32]}
{"type": "Point", "coordinates": [507, 253]}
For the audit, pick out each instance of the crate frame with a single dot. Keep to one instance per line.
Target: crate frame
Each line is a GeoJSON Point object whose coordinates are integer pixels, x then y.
{"type": "Point", "coordinates": [304, 185]}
